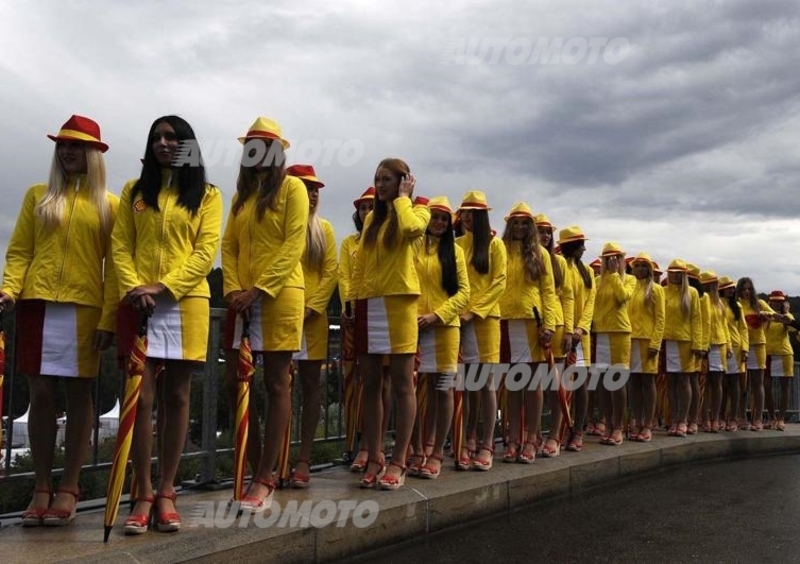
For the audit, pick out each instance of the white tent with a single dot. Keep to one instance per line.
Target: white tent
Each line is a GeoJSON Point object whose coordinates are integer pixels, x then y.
{"type": "Point", "coordinates": [109, 423]}
{"type": "Point", "coordinates": [19, 435]}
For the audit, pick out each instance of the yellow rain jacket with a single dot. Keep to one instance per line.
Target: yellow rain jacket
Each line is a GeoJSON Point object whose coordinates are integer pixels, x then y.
{"type": "Point", "coordinates": [521, 295]}
{"type": "Point", "coordinates": [647, 318]}
{"type": "Point", "coordinates": [178, 248]}
{"type": "Point", "coordinates": [705, 321]}
{"type": "Point", "coordinates": [611, 303]}
{"type": "Point", "coordinates": [583, 298]}
{"type": "Point", "coordinates": [389, 271]}
{"type": "Point", "coordinates": [347, 258]}
{"type": "Point", "coordinates": [736, 329]}
{"type": "Point", "coordinates": [777, 333]}
{"type": "Point", "coordinates": [565, 312]}
{"type": "Point", "coordinates": [320, 284]}
{"type": "Point", "coordinates": [66, 264]}
{"type": "Point", "coordinates": [485, 290]}
{"type": "Point", "coordinates": [266, 253]}
{"type": "Point", "coordinates": [679, 327]}
{"type": "Point", "coordinates": [434, 298]}
{"type": "Point", "coordinates": [720, 334]}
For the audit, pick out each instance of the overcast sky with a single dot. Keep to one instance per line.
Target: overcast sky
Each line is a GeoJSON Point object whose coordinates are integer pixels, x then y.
{"type": "Point", "coordinates": [669, 127]}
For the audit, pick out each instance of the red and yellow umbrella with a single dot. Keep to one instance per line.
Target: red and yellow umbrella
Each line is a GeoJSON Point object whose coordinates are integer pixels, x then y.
{"type": "Point", "coordinates": [245, 377]}
{"type": "Point", "coordinates": [127, 419]}
{"type": "Point", "coordinates": [351, 387]}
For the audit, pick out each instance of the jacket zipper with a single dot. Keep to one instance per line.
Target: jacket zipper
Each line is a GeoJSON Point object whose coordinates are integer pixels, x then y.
{"type": "Point", "coordinates": [66, 238]}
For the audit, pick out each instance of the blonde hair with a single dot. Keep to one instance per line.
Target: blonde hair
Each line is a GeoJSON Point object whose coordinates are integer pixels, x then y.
{"type": "Point", "coordinates": [314, 255]}
{"type": "Point", "coordinates": [50, 208]}
{"type": "Point", "coordinates": [530, 248]}
{"type": "Point", "coordinates": [686, 296]}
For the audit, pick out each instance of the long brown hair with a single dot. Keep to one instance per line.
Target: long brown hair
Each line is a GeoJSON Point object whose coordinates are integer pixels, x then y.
{"type": "Point", "coordinates": [531, 249]}
{"type": "Point", "coordinates": [265, 184]}
{"type": "Point", "coordinates": [383, 211]}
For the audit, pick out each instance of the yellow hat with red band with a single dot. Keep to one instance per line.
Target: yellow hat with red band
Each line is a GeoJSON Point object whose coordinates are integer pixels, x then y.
{"type": "Point", "coordinates": [570, 235]}
{"type": "Point", "coordinates": [474, 200]}
{"type": "Point", "coordinates": [368, 195]}
{"type": "Point", "coordinates": [677, 265]}
{"type": "Point", "coordinates": [611, 249]}
{"type": "Point", "coordinates": [645, 258]}
{"type": "Point", "coordinates": [541, 220]}
{"type": "Point", "coordinates": [708, 277]}
{"type": "Point", "coordinates": [725, 282]}
{"type": "Point", "coordinates": [442, 204]}
{"type": "Point", "coordinates": [306, 173]}
{"type": "Point", "coordinates": [83, 129]}
{"type": "Point", "coordinates": [693, 271]}
{"type": "Point", "coordinates": [267, 129]}
{"type": "Point", "coordinates": [520, 209]}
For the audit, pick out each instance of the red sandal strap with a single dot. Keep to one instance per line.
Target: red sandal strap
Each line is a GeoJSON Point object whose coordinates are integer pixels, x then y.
{"type": "Point", "coordinates": [170, 496]}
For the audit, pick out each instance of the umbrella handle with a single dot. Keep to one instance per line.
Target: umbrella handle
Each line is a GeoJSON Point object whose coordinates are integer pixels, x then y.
{"type": "Point", "coordinates": [143, 324]}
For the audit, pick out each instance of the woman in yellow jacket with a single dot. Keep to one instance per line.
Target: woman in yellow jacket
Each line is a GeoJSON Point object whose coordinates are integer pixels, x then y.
{"type": "Point", "coordinates": [695, 381]}
{"type": "Point", "coordinates": [354, 386]}
{"type": "Point", "coordinates": [164, 244]}
{"type": "Point", "coordinates": [734, 367]}
{"type": "Point", "coordinates": [646, 312]}
{"type": "Point", "coordinates": [320, 268]}
{"type": "Point", "coordinates": [571, 240]}
{"type": "Point", "coordinates": [530, 291]}
{"type": "Point", "coordinates": [780, 355]}
{"type": "Point", "coordinates": [682, 343]}
{"type": "Point", "coordinates": [756, 313]}
{"type": "Point", "coordinates": [386, 288]}
{"type": "Point", "coordinates": [719, 347]}
{"type": "Point", "coordinates": [59, 274]}
{"type": "Point", "coordinates": [264, 240]}
{"type": "Point", "coordinates": [320, 273]}
{"type": "Point", "coordinates": [444, 292]}
{"type": "Point", "coordinates": [485, 255]}
{"type": "Point", "coordinates": [562, 338]}
{"type": "Point", "coordinates": [613, 328]}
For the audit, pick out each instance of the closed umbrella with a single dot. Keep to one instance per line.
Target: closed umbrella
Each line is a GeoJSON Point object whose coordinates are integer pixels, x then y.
{"type": "Point", "coordinates": [127, 419]}
{"type": "Point", "coordinates": [245, 377]}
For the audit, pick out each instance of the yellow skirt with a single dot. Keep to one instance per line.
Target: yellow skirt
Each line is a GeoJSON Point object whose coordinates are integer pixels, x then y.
{"type": "Point", "coordinates": [276, 324]}
{"type": "Point", "coordinates": [480, 340]}
{"type": "Point", "coordinates": [387, 325]}
{"type": "Point", "coordinates": [438, 350]}
{"type": "Point", "coordinates": [757, 357]}
{"type": "Point", "coordinates": [679, 357]}
{"type": "Point", "coordinates": [315, 339]}
{"type": "Point", "coordinates": [557, 342]}
{"type": "Point", "coordinates": [641, 361]}
{"type": "Point", "coordinates": [613, 349]}
{"type": "Point", "coordinates": [781, 366]}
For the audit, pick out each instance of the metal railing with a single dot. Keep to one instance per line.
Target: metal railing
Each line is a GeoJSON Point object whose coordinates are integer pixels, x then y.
{"type": "Point", "coordinates": [207, 449]}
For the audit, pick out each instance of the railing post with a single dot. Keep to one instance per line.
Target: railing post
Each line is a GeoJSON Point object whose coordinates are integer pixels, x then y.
{"type": "Point", "coordinates": [209, 423]}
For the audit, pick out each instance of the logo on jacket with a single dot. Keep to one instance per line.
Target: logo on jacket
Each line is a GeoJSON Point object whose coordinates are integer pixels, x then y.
{"type": "Point", "coordinates": [139, 205]}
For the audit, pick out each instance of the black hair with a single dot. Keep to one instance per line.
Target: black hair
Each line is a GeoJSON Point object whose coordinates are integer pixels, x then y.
{"type": "Point", "coordinates": [191, 175]}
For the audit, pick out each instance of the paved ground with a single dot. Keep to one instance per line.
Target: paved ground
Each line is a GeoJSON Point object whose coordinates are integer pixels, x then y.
{"type": "Point", "coordinates": [727, 511]}
{"type": "Point", "coordinates": [730, 511]}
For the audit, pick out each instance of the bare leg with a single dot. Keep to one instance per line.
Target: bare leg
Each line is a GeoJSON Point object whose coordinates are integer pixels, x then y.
{"type": "Point", "coordinates": [277, 383]}
{"type": "Point", "coordinates": [309, 372]}
{"type": "Point", "coordinates": [79, 429]}
{"type": "Point", "coordinates": [42, 434]}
